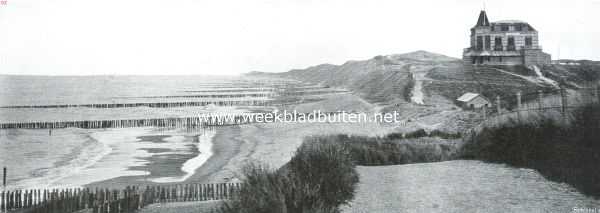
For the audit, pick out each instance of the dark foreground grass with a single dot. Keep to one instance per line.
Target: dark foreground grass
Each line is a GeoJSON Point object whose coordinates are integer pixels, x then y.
{"type": "Point", "coordinates": [563, 153]}
{"type": "Point", "coordinates": [319, 178]}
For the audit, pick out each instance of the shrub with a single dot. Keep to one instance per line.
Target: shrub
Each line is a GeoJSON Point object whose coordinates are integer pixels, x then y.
{"type": "Point", "coordinates": [325, 173]}
{"type": "Point", "coordinates": [319, 178]}
{"type": "Point", "coordinates": [416, 134]}
{"type": "Point", "coordinates": [445, 135]}
{"type": "Point", "coordinates": [263, 191]}
{"type": "Point", "coordinates": [394, 136]}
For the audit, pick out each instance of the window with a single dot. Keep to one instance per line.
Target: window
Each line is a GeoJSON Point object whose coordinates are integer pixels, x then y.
{"type": "Point", "coordinates": [498, 43]}
{"type": "Point", "coordinates": [528, 41]}
{"type": "Point", "coordinates": [487, 42]}
{"type": "Point", "coordinates": [511, 44]}
{"type": "Point", "coordinates": [519, 27]}
{"type": "Point", "coordinates": [479, 43]}
{"type": "Point", "coordinates": [504, 27]}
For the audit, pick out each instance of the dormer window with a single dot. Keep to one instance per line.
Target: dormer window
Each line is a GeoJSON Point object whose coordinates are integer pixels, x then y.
{"type": "Point", "coordinates": [519, 27]}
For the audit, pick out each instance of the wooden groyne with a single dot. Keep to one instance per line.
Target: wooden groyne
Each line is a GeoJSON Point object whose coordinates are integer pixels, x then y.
{"type": "Point", "coordinates": [182, 122]}
{"type": "Point", "coordinates": [251, 102]}
{"type": "Point", "coordinates": [197, 122]}
{"type": "Point", "coordinates": [155, 104]}
{"type": "Point", "coordinates": [130, 199]}
{"type": "Point", "coordinates": [221, 95]}
{"type": "Point", "coordinates": [250, 94]}
{"type": "Point", "coordinates": [311, 92]}
{"type": "Point", "coordinates": [233, 90]}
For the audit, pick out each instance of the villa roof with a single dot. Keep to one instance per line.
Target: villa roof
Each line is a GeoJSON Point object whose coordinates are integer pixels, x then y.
{"type": "Point", "coordinates": [509, 22]}
{"type": "Point", "coordinates": [483, 20]}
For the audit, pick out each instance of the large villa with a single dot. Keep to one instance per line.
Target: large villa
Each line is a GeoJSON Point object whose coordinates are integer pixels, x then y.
{"type": "Point", "coordinates": [508, 42]}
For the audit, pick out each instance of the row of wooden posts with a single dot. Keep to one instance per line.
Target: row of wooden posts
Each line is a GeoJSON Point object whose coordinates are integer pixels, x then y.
{"type": "Point", "coordinates": [562, 104]}
{"type": "Point", "coordinates": [197, 122]}
{"type": "Point", "coordinates": [253, 94]}
{"type": "Point", "coordinates": [250, 102]}
{"type": "Point", "coordinates": [182, 122]}
{"type": "Point", "coordinates": [257, 102]}
{"type": "Point", "coordinates": [232, 95]}
{"type": "Point", "coordinates": [110, 201]}
{"type": "Point", "coordinates": [591, 94]}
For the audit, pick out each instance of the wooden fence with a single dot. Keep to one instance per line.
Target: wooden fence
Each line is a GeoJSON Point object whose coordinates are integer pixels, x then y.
{"type": "Point", "coordinates": [110, 201]}
{"type": "Point", "coordinates": [540, 102]}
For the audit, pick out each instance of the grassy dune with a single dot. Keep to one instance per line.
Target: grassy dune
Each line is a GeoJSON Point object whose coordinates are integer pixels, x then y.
{"type": "Point", "coordinates": [564, 153]}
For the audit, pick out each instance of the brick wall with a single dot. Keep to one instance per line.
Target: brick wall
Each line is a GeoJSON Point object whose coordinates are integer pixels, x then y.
{"type": "Point", "coordinates": [535, 57]}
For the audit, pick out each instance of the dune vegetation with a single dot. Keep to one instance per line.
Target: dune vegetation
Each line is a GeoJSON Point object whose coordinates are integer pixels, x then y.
{"type": "Point", "coordinates": [321, 176]}
{"type": "Point", "coordinates": [561, 152]}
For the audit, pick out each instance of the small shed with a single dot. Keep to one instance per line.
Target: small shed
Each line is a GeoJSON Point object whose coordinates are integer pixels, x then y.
{"type": "Point", "coordinates": [473, 101]}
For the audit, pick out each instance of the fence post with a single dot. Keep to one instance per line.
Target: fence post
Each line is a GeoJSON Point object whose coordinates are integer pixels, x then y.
{"type": "Point", "coordinates": [498, 105]}
{"type": "Point", "coordinates": [483, 111]}
{"type": "Point", "coordinates": [519, 100]}
{"type": "Point", "coordinates": [540, 96]}
{"type": "Point", "coordinates": [563, 100]}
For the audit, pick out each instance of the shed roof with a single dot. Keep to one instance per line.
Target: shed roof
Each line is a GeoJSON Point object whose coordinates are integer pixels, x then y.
{"type": "Point", "coordinates": [467, 97]}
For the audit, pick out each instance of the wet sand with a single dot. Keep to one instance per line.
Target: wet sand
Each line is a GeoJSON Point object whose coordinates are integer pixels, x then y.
{"type": "Point", "coordinates": [269, 143]}
{"type": "Point", "coordinates": [223, 148]}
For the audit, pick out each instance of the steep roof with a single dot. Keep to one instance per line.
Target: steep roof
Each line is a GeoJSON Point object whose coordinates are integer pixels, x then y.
{"type": "Point", "coordinates": [482, 21]}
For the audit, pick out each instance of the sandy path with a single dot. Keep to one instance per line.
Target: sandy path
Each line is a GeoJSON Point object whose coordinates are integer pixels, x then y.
{"type": "Point", "coordinates": [461, 186]}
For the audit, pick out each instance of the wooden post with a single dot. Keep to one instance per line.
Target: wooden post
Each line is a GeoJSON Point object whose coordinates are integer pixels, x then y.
{"type": "Point", "coordinates": [564, 104]}
{"type": "Point", "coordinates": [519, 105]}
{"type": "Point", "coordinates": [540, 96]}
{"type": "Point", "coordinates": [498, 105]}
{"type": "Point", "coordinates": [519, 100]}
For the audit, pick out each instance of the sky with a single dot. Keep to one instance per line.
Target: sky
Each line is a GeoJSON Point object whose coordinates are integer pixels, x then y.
{"type": "Point", "coordinates": [227, 37]}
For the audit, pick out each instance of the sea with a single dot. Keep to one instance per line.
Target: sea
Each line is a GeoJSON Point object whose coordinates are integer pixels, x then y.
{"type": "Point", "coordinates": [74, 157]}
